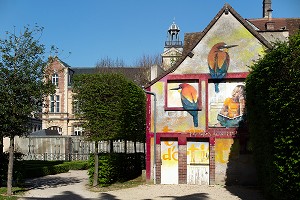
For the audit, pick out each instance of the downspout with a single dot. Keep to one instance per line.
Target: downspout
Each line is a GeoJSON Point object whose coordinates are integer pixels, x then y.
{"type": "Point", "coordinates": [154, 132]}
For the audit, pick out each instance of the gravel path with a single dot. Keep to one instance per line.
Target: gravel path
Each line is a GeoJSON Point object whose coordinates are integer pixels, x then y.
{"type": "Point", "coordinates": [73, 185]}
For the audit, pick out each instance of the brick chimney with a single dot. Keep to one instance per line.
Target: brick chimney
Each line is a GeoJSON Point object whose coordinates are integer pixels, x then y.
{"type": "Point", "coordinates": [267, 7]}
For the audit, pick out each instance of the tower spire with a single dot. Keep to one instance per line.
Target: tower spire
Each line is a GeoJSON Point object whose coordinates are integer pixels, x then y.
{"type": "Point", "coordinates": [173, 46]}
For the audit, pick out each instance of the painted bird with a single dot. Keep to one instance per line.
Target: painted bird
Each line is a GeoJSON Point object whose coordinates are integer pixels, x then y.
{"type": "Point", "coordinates": [218, 61]}
{"type": "Point", "coordinates": [189, 100]}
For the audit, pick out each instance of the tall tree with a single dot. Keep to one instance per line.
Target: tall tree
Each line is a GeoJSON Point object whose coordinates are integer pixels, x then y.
{"type": "Point", "coordinates": [23, 84]}
{"type": "Point", "coordinates": [111, 107]}
{"type": "Point", "coordinates": [99, 98]}
{"type": "Point", "coordinates": [134, 115]}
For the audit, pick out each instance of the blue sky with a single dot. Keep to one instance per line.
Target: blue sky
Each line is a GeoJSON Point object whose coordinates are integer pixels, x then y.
{"type": "Point", "coordinates": [123, 29]}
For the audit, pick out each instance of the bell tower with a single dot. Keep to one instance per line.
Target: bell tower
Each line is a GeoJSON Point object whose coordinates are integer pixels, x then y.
{"type": "Point", "coordinates": [173, 47]}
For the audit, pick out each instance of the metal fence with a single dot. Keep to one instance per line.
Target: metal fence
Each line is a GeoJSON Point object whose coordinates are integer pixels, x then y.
{"type": "Point", "coordinates": [69, 147]}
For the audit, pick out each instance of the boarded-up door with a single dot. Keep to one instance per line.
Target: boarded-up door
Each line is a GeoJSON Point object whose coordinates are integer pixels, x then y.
{"type": "Point", "coordinates": [169, 165]}
{"type": "Point", "coordinates": [198, 162]}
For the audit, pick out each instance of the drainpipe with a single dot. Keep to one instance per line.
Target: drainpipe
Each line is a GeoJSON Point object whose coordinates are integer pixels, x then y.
{"type": "Point", "coordinates": [154, 116]}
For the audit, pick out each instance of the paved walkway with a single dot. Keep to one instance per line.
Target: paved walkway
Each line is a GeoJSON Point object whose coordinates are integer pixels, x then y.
{"type": "Point", "coordinates": [73, 185]}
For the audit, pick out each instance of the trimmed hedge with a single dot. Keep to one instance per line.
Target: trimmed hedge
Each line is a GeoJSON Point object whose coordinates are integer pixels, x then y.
{"type": "Point", "coordinates": [43, 168]}
{"type": "Point", "coordinates": [37, 168]}
{"type": "Point", "coordinates": [117, 167]}
{"type": "Point", "coordinates": [273, 93]}
{"type": "Point", "coordinates": [46, 170]}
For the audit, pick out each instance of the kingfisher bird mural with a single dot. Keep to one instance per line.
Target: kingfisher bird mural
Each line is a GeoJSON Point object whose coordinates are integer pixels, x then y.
{"type": "Point", "coordinates": [189, 100]}
{"type": "Point", "coordinates": [218, 62]}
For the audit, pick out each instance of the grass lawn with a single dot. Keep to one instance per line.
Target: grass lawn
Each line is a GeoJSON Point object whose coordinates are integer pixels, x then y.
{"type": "Point", "coordinates": [15, 190]}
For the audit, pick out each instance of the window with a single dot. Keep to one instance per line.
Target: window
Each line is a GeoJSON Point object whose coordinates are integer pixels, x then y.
{"type": "Point", "coordinates": [56, 128]}
{"type": "Point", "coordinates": [75, 107]}
{"type": "Point", "coordinates": [78, 130]}
{"type": "Point", "coordinates": [54, 103]}
{"type": "Point", "coordinates": [55, 79]}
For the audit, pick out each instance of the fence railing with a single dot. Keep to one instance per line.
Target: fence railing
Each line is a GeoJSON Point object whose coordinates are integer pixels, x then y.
{"type": "Point", "coordinates": [70, 147]}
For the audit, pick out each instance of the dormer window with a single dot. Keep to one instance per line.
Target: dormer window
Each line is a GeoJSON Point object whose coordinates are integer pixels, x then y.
{"type": "Point", "coordinates": [55, 79]}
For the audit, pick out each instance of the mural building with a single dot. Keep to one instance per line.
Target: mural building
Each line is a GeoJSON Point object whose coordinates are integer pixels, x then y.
{"type": "Point", "coordinates": [200, 130]}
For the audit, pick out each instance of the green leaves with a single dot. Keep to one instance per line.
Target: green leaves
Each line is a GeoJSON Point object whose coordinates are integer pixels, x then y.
{"type": "Point", "coordinates": [274, 121]}
{"type": "Point", "coordinates": [111, 106]}
{"type": "Point", "coordinates": [22, 84]}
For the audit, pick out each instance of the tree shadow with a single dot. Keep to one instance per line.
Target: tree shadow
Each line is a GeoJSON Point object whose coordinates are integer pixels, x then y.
{"type": "Point", "coordinates": [50, 182]}
{"type": "Point", "coordinates": [246, 192]}
{"type": "Point", "coordinates": [72, 196]}
{"type": "Point", "coordinates": [202, 196]}
{"type": "Point", "coordinates": [241, 176]}
{"type": "Point", "coordinates": [107, 196]}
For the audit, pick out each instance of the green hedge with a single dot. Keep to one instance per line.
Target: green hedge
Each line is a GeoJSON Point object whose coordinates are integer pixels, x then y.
{"type": "Point", "coordinates": [37, 168]}
{"type": "Point", "coordinates": [273, 96]}
{"type": "Point", "coordinates": [117, 167]}
{"type": "Point", "coordinates": [43, 168]}
{"type": "Point", "coordinates": [46, 170]}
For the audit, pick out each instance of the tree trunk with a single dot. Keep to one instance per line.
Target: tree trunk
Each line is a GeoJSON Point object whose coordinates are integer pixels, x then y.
{"type": "Point", "coordinates": [125, 146]}
{"type": "Point", "coordinates": [10, 166]}
{"type": "Point", "coordinates": [96, 166]}
{"type": "Point", "coordinates": [134, 146]}
{"type": "Point", "coordinates": [111, 146]}
{"type": "Point", "coordinates": [1, 145]}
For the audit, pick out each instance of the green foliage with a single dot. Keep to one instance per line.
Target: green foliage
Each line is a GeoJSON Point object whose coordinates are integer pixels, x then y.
{"type": "Point", "coordinates": [43, 168]}
{"type": "Point", "coordinates": [134, 114]}
{"type": "Point", "coordinates": [77, 165]}
{"type": "Point", "coordinates": [37, 168]}
{"type": "Point", "coordinates": [111, 106]}
{"type": "Point", "coordinates": [274, 122]}
{"type": "Point", "coordinates": [117, 167]}
{"type": "Point", "coordinates": [22, 83]}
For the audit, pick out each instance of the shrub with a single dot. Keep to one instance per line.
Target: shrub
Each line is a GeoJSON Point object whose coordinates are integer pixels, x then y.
{"type": "Point", "coordinates": [117, 167]}
{"type": "Point", "coordinates": [274, 122]}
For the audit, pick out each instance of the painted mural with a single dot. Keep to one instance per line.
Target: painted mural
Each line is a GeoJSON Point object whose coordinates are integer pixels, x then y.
{"type": "Point", "coordinates": [197, 152]}
{"type": "Point", "coordinates": [197, 162]}
{"type": "Point", "coordinates": [227, 107]}
{"type": "Point", "coordinates": [169, 165]}
{"type": "Point", "coordinates": [186, 97]}
{"type": "Point", "coordinates": [226, 150]}
{"type": "Point", "coordinates": [229, 48]}
{"type": "Point", "coordinates": [218, 62]}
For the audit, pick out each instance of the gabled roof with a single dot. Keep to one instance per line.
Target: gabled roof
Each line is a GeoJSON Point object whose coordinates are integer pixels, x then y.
{"type": "Point", "coordinates": [280, 24]}
{"type": "Point", "coordinates": [189, 39]}
{"type": "Point", "coordinates": [136, 74]}
{"type": "Point", "coordinates": [198, 37]}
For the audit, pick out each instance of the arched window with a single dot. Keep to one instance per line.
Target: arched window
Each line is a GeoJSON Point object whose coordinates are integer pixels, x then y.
{"type": "Point", "coordinates": [55, 79]}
